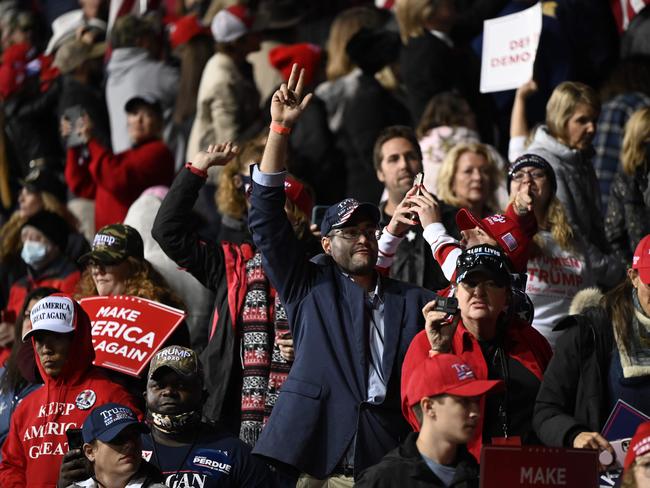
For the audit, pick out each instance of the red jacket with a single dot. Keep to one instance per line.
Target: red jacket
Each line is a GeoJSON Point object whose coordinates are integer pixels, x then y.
{"type": "Point", "coordinates": [37, 441]}
{"type": "Point", "coordinates": [116, 181]}
{"type": "Point", "coordinates": [522, 343]}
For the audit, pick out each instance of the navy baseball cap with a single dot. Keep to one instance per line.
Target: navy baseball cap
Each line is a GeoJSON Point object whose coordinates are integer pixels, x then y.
{"type": "Point", "coordinates": [340, 213]}
{"type": "Point", "coordinates": [107, 421]}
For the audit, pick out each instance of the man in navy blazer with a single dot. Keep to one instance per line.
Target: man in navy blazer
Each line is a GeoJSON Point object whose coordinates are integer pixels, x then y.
{"type": "Point", "coordinates": [339, 410]}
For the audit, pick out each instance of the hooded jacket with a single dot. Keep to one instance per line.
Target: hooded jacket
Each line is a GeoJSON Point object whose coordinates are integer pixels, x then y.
{"type": "Point", "coordinates": [37, 440]}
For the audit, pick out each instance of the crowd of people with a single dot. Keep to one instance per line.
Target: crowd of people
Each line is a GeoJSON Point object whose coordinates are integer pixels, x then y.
{"type": "Point", "coordinates": [381, 270]}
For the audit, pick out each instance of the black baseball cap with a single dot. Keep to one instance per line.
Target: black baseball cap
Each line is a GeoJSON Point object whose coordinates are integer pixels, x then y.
{"type": "Point", "coordinates": [341, 213]}
{"type": "Point", "coordinates": [488, 260]}
{"type": "Point", "coordinates": [43, 179]}
{"type": "Point", "coordinates": [136, 102]}
{"type": "Point", "coordinates": [113, 244]}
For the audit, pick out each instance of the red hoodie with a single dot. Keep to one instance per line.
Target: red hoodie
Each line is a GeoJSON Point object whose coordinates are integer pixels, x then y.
{"type": "Point", "coordinates": [37, 440]}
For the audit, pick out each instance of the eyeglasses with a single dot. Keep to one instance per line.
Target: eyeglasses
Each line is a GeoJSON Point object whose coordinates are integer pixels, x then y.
{"type": "Point", "coordinates": [537, 174]}
{"type": "Point", "coordinates": [353, 233]}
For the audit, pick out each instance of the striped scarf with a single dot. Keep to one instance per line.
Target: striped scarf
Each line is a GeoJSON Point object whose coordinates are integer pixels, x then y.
{"type": "Point", "coordinates": [264, 370]}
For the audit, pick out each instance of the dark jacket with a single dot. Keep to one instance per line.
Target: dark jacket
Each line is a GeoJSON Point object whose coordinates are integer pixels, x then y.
{"type": "Point", "coordinates": [572, 398]}
{"type": "Point", "coordinates": [627, 220]}
{"type": "Point", "coordinates": [322, 405]}
{"type": "Point", "coordinates": [370, 110]}
{"type": "Point", "coordinates": [404, 467]}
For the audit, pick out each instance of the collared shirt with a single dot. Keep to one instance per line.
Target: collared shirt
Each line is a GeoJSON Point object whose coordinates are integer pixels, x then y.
{"type": "Point", "coordinates": [376, 374]}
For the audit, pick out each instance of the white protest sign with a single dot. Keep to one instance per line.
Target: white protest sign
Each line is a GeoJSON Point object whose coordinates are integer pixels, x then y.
{"type": "Point", "coordinates": [509, 48]}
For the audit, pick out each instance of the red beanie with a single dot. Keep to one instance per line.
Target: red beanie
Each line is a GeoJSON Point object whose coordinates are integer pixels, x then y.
{"type": "Point", "coordinates": [306, 55]}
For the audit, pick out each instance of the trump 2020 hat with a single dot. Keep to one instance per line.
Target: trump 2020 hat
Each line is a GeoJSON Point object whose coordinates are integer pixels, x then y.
{"type": "Point", "coordinates": [107, 421]}
{"type": "Point", "coordinates": [641, 259]}
{"type": "Point", "coordinates": [53, 314]}
{"type": "Point", "coordinates": [485, 259]}
{"type": "Point", "coordinates": [341, 213]}
{"type": "Point", "coordinates": [179, 359]}
{"type": "Point", "coordinates": [114, 243]}
{"type": "Point", "coordinates": [444, 374]}
{"type": "Point", "coordinates": [506, 231]}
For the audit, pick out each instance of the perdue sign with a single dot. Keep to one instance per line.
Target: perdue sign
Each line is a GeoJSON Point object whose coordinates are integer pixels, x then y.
{"type": "Point", "coordinates": [127, 331]}
{"type": "Point", "coordinates": [538, 467]}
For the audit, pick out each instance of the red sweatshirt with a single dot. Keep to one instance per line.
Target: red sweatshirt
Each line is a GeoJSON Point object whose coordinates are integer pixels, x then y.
{"type": "Point", "coordinates": [116, 181]}
{"type": "Point", "coordinates": [32, 453]}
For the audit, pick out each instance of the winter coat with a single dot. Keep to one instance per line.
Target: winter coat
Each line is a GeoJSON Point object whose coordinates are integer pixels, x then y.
{"type": "Point", "coordinates": [404, 467]}
{"type": "Point", "coordinates": [521, 343]}
{"type": "Point", "coordinates": [573, 395]}
{"type": "Point", "coordinates": [9, 400]}
{"type": "Point", "coordinates": [578, 190]}
{"type": "Point", "coordinates": [627, 220]}
{"type": "Point", "coordinates": [227, 103]}
{"type": "Point", "coordinates": [323, 403]}
{"type": "Point", "coordinates": [132, 72]}
{"type": "Point", "coordinates": [115, 181]}
{"type": "Point", "coordinates": [37, 441]}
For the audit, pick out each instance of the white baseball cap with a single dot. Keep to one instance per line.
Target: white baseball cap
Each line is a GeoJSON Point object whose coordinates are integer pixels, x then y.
{"type": "Point", "coordinates": [231, 23]}
{"type": "Point", "coordinates": [54, 313]}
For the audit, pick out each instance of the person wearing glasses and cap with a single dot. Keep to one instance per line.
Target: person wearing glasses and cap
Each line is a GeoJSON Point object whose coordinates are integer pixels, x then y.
{"type": "Point", "coordinates": [493, 340]}
{"type": "Point", "coordinates": [443, 395]}
{"type": "Point", "coordinates": [338, 411]}
{"type": "Point", "coordinates": [113, 447]}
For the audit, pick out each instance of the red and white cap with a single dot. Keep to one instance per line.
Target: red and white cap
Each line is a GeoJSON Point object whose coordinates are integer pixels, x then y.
{"type": "Point", "coordinates": [54, 314]}
{"type": "Point", "coordinates": [442, 374]}
{"type": "Point", "coordinates": [185, 29]}
{"type": "Point", "coordinates": [503, 229]}
{"type": "Point", "coordinates": [639, 445]}
{"type": "Point", "coordinates": [641, 259]}
{"type": "Point", "coordinates": [231, 23]}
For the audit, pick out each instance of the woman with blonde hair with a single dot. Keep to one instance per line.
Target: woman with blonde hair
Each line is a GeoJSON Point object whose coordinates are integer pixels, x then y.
{"type": "Point", "coordinates": [469, 177]}
{"type": "Point", "coordinates": [628, 211]}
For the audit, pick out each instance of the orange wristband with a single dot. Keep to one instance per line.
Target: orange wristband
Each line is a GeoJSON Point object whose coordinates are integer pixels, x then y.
{"type": "Point", "coordinates": [280, 129]}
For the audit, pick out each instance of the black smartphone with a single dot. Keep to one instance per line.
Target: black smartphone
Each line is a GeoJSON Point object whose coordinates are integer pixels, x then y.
{"type": "Point", "coordinates": [317, 214]}
{"type": "Point", "coordinates": [75, 439]}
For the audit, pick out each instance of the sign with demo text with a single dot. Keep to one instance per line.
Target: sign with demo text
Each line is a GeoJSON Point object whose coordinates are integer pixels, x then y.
{"type": "Point", "coordinates": [128, 331]}
{"type": "Point", "coordinates": [538, 467]}
{"type": "Point", "coordinates": [509, 49]}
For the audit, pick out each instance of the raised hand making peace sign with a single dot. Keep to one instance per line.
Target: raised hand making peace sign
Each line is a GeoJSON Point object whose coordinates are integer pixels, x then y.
{"type": "Point", "coordinates": [288, 102]}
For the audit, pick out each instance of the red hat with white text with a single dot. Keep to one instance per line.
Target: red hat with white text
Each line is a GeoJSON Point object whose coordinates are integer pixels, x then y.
{"type": "Point", "coordinates": [641, 259]}
{"type": "Point", "coordinates": [639, 445]}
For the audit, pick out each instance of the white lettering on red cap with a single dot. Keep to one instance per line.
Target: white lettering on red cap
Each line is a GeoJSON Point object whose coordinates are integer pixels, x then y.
{"type": "Point", "coordinates": [496, 219]}
{"type": "Point", "coordinates": [463, 371]}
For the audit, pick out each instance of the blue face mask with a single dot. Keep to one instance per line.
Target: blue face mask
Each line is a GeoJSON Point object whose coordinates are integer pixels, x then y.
{"type": "Point", "coordinates": [34, 253]}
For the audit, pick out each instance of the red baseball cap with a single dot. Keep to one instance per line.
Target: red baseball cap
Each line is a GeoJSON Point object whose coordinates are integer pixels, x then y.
{"type": "Point", "coordinates": [441, 374]}
{"type": "Point", "coordinates": [641, 259]}
{"type": "Point", "coordinates": [639, 445]}
{"type": "Point", "coordinates": [503, 229]}
{"type": "Point", "coordinates": [306, 55]}
{"type": "Point", "coordinates": [185, 29]}
{"type": "Point", "coordinates": [298, 194]}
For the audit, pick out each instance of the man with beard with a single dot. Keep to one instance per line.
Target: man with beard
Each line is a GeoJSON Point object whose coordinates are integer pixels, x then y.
{"type": "Point", "coordinates": [188, 452]}
{"type": "Point", "coordinates": [338, 411]}
{"type": "Point", "coordinates": [398, 159]}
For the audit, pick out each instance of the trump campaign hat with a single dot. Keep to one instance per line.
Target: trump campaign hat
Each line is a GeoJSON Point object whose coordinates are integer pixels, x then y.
{"type": "Point", "coordinates": [182, 360]}
{"type": "Point", "coordinates": [341, 213]}
{"type": "Point", "coordinates": [641, 259]}
{"type": "Point", "coordinates": [639, 445]}
{"type": "Point", "coordinates": [185, 29]}
{"type": "Point", "coordinates": [113, 244]}
{"type": "Point", "coordinates": [443, 374]}
{"type": "Point", "coordinates": [53, 314]}
{"type": "Point", "coordinates": [108, 421]}
{"type": "Point", "coordinates": [503, 229]}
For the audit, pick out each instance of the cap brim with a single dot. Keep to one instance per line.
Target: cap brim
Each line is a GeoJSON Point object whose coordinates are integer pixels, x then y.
{"type": "Point", "coordinates": [364, 208]}
{"type": "Point", "coordinates": [57, 328]}
{"type": "Point", "coordinates": [113, 432]}
{"type": "Point", "coordinates": [178, 371]}
{"type": "Point", "coordinates": [502, 277]}
{"type": "Point", "coordinates": [465, 220]}
{"type": "Point", "coordinates": [103, 257]}
{"type": "Point", "coordinates": [476, 388]}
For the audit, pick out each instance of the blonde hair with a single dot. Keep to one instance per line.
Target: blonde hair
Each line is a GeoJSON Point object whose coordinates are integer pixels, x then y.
{"type": "Point", "coordinates": [449, 167]}
{"type": "Point", "coordinates": [412, 16]}
{"type": "Point", "coordinates": [637, 135]}
{"type": "Point", "coordinates": [143, 281]}
{"type": "Point", "coordinates": [558, 222]}
{"type": "Point", "coordinates": [10, 243]}
{"type": "Point", "coordinates": [344, 26]}
{"type": "Point", "coordinates": [231, 200]}
{"type": "Point", "coordinates": [563, 103]}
